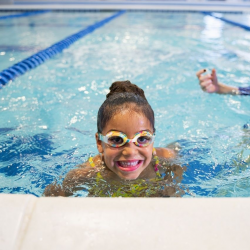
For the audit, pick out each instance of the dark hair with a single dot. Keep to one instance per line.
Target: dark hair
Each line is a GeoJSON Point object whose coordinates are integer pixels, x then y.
{"type": "Point", "coordinates": [124, 95]}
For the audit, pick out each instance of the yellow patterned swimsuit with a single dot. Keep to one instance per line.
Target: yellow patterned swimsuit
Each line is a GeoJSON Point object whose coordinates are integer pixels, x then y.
{"type": "Point", "coordinates": [160, 186]}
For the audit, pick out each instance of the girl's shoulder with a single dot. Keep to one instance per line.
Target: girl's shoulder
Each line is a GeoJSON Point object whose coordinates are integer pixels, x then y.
{"type": "Point", "coordinates": [166, 153]}
{"type": "Point", "coordinates": [168, 163]}
{"type": "Point", "coordinates": [171, 151]}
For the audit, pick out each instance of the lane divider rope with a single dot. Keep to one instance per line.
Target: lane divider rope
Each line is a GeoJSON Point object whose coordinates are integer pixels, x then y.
{"type": "Point", "coordinates": [39, 58]}
{"type": "Point", "coordinates": [227, 20]}
{"type": "Point", "coordinates": [25, 14]}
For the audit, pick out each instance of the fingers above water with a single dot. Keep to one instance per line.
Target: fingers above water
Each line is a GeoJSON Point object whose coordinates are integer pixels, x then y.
{"type": "Point", "coordinates": [206, 83]}
{"type": "Point", "coordinates": [205, 78]}
{"type": "Point", "coordinates": [200, 72]}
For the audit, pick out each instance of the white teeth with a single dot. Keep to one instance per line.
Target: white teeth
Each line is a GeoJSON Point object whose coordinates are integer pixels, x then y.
{"type": "Point", "coordinates": [128, 164]}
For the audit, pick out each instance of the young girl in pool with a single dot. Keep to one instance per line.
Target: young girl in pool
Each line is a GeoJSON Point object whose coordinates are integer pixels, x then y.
{"type": "Point", "coordinates": [125, 141]}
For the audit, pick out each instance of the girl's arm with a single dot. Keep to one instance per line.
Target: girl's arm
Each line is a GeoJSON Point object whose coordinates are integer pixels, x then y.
{"type": "Point", "coordinates": [73, 178]}
{"type": "Point", "coordinates": [54, 189]}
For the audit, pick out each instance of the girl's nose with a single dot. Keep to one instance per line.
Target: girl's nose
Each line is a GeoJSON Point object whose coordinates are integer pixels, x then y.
{"type": "Point", "coordinates": [129, 149]}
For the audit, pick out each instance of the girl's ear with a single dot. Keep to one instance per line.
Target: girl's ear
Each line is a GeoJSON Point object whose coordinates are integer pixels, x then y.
{"type": "Point", "coordinates": [98, 144]}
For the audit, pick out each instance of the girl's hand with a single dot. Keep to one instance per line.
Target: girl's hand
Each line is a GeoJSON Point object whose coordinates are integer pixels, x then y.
{"type": "Point", "coordinates": [209, 83]}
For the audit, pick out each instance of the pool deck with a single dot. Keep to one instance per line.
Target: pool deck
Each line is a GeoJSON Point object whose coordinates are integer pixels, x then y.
{"type": "Point", "coordinates": [178, 5]}
{"type": "Point", "coordinates": [29, 223]}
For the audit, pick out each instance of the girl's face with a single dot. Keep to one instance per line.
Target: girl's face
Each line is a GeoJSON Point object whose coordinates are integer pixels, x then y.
{"type": "Point", "coordinates": [129, 160]}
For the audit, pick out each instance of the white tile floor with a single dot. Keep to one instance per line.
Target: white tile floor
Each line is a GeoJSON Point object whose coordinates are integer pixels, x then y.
{"type": "Point", "coordinates": [29, 223]}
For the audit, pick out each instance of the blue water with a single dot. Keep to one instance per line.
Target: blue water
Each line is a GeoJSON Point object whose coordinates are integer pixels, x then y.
{"type": "Point", "coordinates": [22, 37]}
{"type": "Point", "coordinates": [48, 115]}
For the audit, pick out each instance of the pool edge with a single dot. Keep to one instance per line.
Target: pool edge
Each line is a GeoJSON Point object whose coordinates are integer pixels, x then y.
{"type": "Point", "coordinates": [125, 223]}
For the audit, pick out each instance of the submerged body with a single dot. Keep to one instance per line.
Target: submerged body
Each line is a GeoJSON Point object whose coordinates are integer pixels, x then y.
{"type": "Point", "coordinates": [99, 181]}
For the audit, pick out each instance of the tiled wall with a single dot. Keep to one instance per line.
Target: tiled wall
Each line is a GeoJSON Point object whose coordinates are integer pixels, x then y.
{"type": "Point", "coordinates": [2, 2]}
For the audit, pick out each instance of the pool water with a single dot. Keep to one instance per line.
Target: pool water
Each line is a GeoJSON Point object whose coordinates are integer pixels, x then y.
{"type": "Point", "coordinates": [48, 115]}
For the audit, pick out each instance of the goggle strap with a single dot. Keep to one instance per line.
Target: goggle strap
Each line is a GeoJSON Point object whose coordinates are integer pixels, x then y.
{"type": "Point", "coordinates": [102, 138]}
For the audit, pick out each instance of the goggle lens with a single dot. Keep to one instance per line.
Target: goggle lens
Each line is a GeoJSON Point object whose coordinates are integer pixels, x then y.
{"type": "Point", "coordinates": [116, 139]}
{"type": "Point", "coordinates": [143, 139]}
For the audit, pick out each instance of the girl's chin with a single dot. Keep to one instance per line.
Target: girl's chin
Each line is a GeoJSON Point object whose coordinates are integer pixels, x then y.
{"type": "Point", "coordinates": [128, 177]}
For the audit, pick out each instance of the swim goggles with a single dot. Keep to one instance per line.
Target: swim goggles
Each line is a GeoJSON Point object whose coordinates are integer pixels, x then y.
{"type": "Point", "coordinates": [117, 139]}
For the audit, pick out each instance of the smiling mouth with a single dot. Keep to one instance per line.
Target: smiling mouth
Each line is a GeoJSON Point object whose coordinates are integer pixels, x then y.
{"type": "Point", "coordinates": [129, 166]}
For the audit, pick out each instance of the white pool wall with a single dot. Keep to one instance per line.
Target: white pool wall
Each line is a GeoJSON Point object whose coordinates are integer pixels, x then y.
{"type": "Point", "coordinates": [30, 223]}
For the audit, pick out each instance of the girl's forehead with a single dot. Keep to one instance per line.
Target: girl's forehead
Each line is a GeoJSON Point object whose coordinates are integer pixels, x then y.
{"type": "Point", "coordinates": [129, 122]}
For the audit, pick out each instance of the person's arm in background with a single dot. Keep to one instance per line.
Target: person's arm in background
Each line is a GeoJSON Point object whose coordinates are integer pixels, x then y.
{"type": "Point", "coordinates": [209, 83]}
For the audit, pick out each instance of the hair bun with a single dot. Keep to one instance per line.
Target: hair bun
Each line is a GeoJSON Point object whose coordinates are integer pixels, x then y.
{"type": "Point", "coordinates": [125, 86]}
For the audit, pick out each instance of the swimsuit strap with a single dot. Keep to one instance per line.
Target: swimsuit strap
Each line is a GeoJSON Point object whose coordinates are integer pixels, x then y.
{"type": "Point", "coordinates": [157, 163]}
{"type": "Point", "coordinates": [92, 164]}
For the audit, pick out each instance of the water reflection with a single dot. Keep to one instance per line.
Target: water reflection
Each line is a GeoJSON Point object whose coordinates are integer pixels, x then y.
{"type": "Point", "coordinates": [213, 28]}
